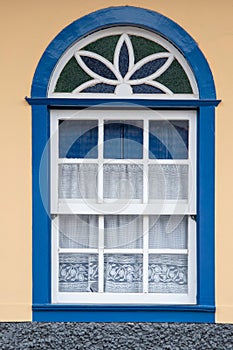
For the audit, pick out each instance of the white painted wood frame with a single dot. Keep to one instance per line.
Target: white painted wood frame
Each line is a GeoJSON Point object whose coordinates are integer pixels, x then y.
{"type": "Point", "coordinates": [142, 207]}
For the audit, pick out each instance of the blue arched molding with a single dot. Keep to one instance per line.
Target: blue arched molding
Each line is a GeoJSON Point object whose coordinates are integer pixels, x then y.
{"type": "Point", "coordinates": [125, 15]}
{"type": "Point", "coordinates": [43, 310]}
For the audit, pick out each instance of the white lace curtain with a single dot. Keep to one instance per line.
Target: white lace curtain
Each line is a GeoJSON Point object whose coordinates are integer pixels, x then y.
{"type": "Point", "coordinates": [78, 181]}
{"type": "Point", "coordinates": [123, 181]}
{"type": "Point", "coordinates": [123, 273]}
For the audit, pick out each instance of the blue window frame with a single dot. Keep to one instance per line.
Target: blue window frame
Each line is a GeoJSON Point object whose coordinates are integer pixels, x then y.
{"type": "Point", "coordinates": [43, 310]}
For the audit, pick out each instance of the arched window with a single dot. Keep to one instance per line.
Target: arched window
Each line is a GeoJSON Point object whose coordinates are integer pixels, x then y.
{"type": "Point", "coordinates": [123, 212]}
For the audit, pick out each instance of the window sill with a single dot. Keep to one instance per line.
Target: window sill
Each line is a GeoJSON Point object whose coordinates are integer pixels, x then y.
{"type": "Point", "coordinates": [113, 313]}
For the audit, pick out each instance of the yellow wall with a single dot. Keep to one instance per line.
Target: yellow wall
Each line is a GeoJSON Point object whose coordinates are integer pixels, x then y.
{"type": "Point", "coordinates": [26, 29]}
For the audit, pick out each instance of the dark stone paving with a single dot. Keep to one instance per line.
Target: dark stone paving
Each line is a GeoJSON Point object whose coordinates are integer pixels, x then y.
{"type": "Point", "coordinates": [125, 336]}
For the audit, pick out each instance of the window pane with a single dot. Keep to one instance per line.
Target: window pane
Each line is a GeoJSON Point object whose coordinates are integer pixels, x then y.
{"type": "Point", "coordinates": [123, 181]}
{"type": "Point", "coordinates": [71, 77]}
{"type": "Point", "coordinates": [168, 232]}
{"type": "Point", "coordinates": [123, 139]}
{"type": "Point", "coordinates": [149, 68]}
{"type": "Point", "coordinates": [123, 273]}
{"type": "Point", "coordinates": [168, 273]}
{"type": "Point", "coordinates": [78, 231]}
{"type": "Point", "coordinates": [78, 181]}
{"type": "Point", "coordinates": [168, 181]}
{"type": "Point", "coordinates": [104, 46]}
{"type": "Point", "coordinates": [78, 272]}
{"type": "Point", "coordinates": [123, 231]}
{"type": "Point", "coordinates": [168, 139]}
{"type": "Point", "coordinates": [176, 79]}
{"type": "Point", "coordinates": [78, 138]}
{"type": "Point", "coordinates": [146, 89]}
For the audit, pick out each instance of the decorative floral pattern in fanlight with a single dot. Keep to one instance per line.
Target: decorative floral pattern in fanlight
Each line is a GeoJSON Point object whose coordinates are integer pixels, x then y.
{"type": "Point", "coordinates": [124, 73]}
{"type": "Point", "coordinates": [123, 65]}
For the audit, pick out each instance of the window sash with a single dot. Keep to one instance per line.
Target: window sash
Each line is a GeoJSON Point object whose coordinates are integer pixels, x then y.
{"type": "Point", "coordinates": [125, 298]}
{"type": "Point", "coordinates": [70, 205]}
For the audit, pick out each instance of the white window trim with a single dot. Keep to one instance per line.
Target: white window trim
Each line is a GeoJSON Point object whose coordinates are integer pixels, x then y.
{"type": "Point", "coordinates": [71, 206]}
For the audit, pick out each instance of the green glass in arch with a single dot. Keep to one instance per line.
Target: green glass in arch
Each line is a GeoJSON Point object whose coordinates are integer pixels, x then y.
{"type": "Point", "coordinates": [104, 47]}
{"type": "Point", "coordinates": [71, 77]}
{"type": "Point", "coordinates": [176, 79]}
{"type": "Point", "coordinates": [144, 47]}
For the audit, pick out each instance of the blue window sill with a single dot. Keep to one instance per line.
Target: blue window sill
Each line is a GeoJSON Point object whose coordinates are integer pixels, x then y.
{"type": "Point", "coordinates": [126, 313]}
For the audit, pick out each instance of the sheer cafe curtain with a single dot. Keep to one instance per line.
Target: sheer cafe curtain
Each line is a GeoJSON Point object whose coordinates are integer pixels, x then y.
{"type": "Point", "coordinates": [123, 273]}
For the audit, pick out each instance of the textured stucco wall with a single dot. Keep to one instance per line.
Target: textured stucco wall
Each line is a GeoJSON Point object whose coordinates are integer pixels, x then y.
{"type": "Point", "coordinates": [26, 29]}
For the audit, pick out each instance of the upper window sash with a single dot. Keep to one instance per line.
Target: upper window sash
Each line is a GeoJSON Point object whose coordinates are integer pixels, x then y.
{"type": "Point", "coordinates": [147, 204]}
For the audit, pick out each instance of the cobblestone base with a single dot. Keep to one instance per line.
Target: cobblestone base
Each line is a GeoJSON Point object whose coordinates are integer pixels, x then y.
{"type": "Point", "coordinates": [132, 336]}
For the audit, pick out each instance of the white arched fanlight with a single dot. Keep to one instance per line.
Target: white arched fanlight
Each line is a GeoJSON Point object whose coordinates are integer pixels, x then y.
{"type": "Point", "coordinates": [124, 75]}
